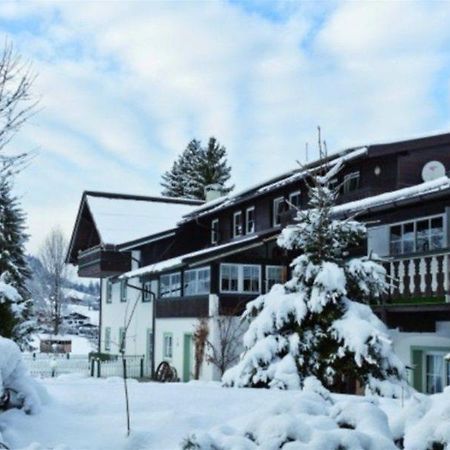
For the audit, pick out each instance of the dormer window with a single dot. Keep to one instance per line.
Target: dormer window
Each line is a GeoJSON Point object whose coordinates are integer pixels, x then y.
{"type": "Point", "coordinates": [351, 182]}
{"type": "Point", "coordinates": [237, 224]}
{"type": "Point", "coordinates": [250, 220]}
{"type": "Point", "coordinates": [215, 231]}
{"type": "Point", "coordinates": [278, 209]}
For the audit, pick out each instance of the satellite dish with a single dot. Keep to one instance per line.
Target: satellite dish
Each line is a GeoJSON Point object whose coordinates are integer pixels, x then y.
{"type": "Point", "coordinates": [432, 170]}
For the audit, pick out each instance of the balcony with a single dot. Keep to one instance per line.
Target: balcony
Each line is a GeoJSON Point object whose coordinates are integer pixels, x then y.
{"type": "Point", "coordinates": [421, 277]}
{"type": "Point", "coordinates": [102, 262]}
{"type": "Point", "coordinates": [419, 293]}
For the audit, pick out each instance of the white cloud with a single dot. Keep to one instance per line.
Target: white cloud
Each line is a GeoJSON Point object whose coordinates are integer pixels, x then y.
{"type": "Point", "coordinates": [125, 85]}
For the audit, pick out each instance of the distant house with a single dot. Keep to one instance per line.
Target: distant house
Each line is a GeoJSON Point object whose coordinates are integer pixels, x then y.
{"type": "Point", "coordinates": [179, 260]}
{"type": "Point", "coordinates": [88, 330]}
{"type": "Point", "coordinates": [55, 344]}
{"type": "Point", "coordinates": [76, 319]}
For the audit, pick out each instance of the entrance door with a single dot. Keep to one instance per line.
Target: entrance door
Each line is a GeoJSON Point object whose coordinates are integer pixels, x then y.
{"type": "Point", "coordinates": [187, 357]}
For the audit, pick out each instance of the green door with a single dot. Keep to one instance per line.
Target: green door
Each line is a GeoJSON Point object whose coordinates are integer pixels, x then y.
{"type": "Point", "coordinates": [187, 357]}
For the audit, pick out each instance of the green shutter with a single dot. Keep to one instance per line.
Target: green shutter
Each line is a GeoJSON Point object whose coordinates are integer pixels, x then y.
{"type": "Point", "coordinates": [417, 360]}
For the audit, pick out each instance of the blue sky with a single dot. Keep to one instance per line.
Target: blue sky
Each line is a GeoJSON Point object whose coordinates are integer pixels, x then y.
{"type": "Point", "coordinates": [125, 85]}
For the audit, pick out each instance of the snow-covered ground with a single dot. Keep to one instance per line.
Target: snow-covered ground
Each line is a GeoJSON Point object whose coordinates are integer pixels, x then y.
{"type": "Point", "coordinates": [88, 414]}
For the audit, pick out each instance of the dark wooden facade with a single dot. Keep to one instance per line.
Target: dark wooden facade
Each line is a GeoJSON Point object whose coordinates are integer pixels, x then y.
{"type": "Point", "coordinates": [382, 168]}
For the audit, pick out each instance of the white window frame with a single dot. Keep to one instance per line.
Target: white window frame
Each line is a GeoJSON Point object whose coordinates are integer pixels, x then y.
{"type": "Point", "coordinates": [107, 339]}
{"type": "Point", "coordinates": [123, 291]}
{"type": "Point", "coordinates": [276, 221]}
{"type": "Point", "coordinates": [291, 195]}
{"type": "Point", "coordinates": [247, 222]}
{"type": "Point", "coordinates": [171, 293]}
{"type": "Point", "coordinates": [214, 231]}
{"type": "Point", "coordinates": [109, 291]}
{"type": "Point", "coordinates": [273, 266]}
{"type": "Point", "coordinates": [197, 284]}
{"type": "Point", "coordinates": [240, 229]}
{"type": "Point", "coordinates": [240, 280]}
{"type": "Point", "coordinates": [414, 222]}
{"type": "Point", "coordinates": [167, 347]}
{"type": "Point", "coordinates": [348, 178]}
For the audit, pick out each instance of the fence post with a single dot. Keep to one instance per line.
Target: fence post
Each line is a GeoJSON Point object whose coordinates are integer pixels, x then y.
{"type": "Point", "coordinates": [142, 367]}
{"type": "Point", "coordinates": [99, 368]}
{"type": "Point", "coordinates": [92, 367]}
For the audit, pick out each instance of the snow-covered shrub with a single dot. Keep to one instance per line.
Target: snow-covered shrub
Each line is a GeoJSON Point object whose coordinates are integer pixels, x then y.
{"type": "Point", "coordinates": [318, 323]}
{"type": "Point", "coordinates": [14, 376]}
{"type": "Point", "coordinates": [311, 420]}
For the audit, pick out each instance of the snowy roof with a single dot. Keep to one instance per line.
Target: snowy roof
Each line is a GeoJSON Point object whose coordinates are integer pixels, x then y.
{"type": "Point", "coordinates": [281, 180]}
{"type": "Point", "coordinates": [429, 187]}
{"type": "Point", "coordinates": [123, 219]}
{"type": "Point", "coordinates": [178, 261]}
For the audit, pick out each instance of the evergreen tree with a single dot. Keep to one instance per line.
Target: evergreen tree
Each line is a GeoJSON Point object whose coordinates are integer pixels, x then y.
{"type": "Point", "coordinates": [196, 168]}
{"type": "Point", "coordinates": [318, 323]}
{"type": "Point", "coordinates": [15, 310]}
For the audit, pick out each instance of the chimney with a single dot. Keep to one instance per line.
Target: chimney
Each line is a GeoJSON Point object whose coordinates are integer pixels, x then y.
{"type": "Point", "coordinates": [213, 191]}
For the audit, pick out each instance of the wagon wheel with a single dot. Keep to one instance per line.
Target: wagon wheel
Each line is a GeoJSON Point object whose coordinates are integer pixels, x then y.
{"type": "Point", "coordinates": [163, 372]}
{"type": "Point", "coordinates": [174, 376]}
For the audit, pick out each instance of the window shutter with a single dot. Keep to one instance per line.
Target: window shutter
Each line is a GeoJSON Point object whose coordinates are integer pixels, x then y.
{"type": "Point", "coordinates": [417, 360]}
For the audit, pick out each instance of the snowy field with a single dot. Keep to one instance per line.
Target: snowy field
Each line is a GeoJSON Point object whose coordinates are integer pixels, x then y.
{"type": "Point", "coordinates": [88, 414]}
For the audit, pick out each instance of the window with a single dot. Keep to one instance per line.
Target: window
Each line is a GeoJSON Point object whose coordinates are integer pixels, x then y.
{"type": "Point", "coordinates": [351, 182]}
{"type": "Point", "coordinates": [215, 231]}
{"type": "Point", "coordinates": [107, 339]}
{"type": "Point", "coordinates": [278, 208]}
{"type": "Point", "coordinates": [294, 200]}
{"type": "Point", "coordinates": [197, 281]}
{"type": "Point", "coordinates": [250, 278]}
{"type": "Point", "coordinates": [418, 236]}
{"type": "Point", "coordinates": [333, 184]}
{"type": "Point", "coordinates": [170, 285]}
{"type": "Point", "coordinates": [274, 275]}
{"type": "Point", "coordinates": [250, 220]}
{"type": "Point", "coordinates": [240, 278]}
{"type": "Point", "coordinates": [123, 290]}
{"type": "Point", "coordinates": [109, 285]}
{"type": "Point", "coordinates": [122, 340]}
{"type": "Point", "coordinates": [434, 372]}
{"type": "Point", "coordinates": [167, 345]}
{"type": "Point", "coordinates": [237, 224]}
{"type": "Point", "coordinates": [229, 278]}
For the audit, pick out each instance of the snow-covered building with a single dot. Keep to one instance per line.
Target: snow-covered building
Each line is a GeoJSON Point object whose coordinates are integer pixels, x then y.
{"type": "Point", "coordinates": [176, 261]}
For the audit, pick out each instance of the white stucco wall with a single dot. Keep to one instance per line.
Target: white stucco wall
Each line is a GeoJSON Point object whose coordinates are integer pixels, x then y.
{"type": "Point", "coordinates": [117, 313]}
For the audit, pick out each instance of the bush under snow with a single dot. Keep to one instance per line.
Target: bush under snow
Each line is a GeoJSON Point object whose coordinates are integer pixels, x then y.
{"type": "Point", "coordinates": [313, 419]}
{"type": "Point", "coordinates": [14, 377]}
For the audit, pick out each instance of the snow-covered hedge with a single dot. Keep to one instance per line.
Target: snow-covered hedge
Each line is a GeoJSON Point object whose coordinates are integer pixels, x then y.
{"type": "Point", "coordinates": [14, 377]}
{"type": "Point", "coordinates": [315, 420]}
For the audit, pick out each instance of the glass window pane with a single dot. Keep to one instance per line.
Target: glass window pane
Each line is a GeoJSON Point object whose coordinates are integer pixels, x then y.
{"type": "Point", "coordinates": [437, 233]}
{"type": "Point", "coordinates": [434, 373]}
{"type": "Point", "coordinates": [274, 275]}
{"type": "Point", "coordinates": [175, 282]}
{"type": "Point", "coordinates": [165, 285]}
{"type": "Point", "coordinates": [396, 233]}
{"type": "Point", "coordinates": [423, 231]}
{"type": "Point", "coordinates": [250, 278]}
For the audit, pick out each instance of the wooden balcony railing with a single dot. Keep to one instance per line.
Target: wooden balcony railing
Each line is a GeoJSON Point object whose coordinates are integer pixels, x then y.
{"type": "Point", "coordinates": [418, 277]}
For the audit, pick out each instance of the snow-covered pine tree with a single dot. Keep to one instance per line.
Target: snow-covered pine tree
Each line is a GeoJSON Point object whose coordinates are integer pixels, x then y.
{"type": "Point", "coordinates": [196, 168]}
{"type": "Point", "coordinates": [15, 305]}
{"type": "Point", "coordinates": [178, 181]}
{"type": "Point", "coordinates": [212, 168]}
{"type": "Point", "coordinates": [319, 322]}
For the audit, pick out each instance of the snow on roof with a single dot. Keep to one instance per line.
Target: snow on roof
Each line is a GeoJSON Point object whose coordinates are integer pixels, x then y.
{"type": "Point", "coordinates": [440, 184]}
{"type": "Point", "coordinates": [120, 220]}
{"type": "Point", "coordinates": [179, 260]}
{"type": "Point", "coordinates": [276, 182]}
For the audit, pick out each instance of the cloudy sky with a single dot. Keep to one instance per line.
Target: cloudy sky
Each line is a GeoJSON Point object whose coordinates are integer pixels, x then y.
{"type": "Point", "coordinates": [124, 86]}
